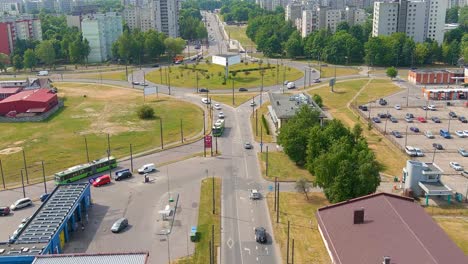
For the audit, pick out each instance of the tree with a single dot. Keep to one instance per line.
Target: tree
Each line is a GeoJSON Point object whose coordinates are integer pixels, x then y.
{"type": "Point", "coordinates": [303, 186]}
{"type": "Point", "coordinates": [174, 46]}
{"type": "Point", "coordinates": [451, 15]}
{"type": "Point", "coordinates": [46, 53]}
{"type": "Point", "coordinates": [463, 18]}
{"type": "Point", "coordinates": [318, 100]}
{"type": "Point", "coordinates": [17, 62]}
{"type": "Point", "coordinates": [154, 44]}
{"type": "Point", "coordinates": [294, 45]}
{"type": "Point", "coordinates": [30, 60]}
{"type": "Point", "coordinates": [342, 26]}
{"type": "Point", "coordinates": [421, 53]}
{"type": "Point", "coordinates": [145, 112]}
{"type": "Point", "coordinates": [392, 72]}
{"type": "Point", "coordinates": [4, 60]}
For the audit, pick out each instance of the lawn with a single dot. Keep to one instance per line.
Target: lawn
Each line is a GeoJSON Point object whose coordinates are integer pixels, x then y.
{"type": "Point", "coordinates": [238, 33]}
{"type": "Point", "coordinates": [206, 219]}
{"type": "Point", "coordinates": [211, 76]}
{"type": "Point", "coordinates": [456, 229]}
{"type": "Point", "coordinates": [108, 75]}
{"type": "Point", "coordinates": [376, 89]}
{"type": "Point", "coordinates": [386, 153]}
{"type": "Point", "coordinates": [93, 111]}
{"type": "Point", "coordinates": [279, 165]}
{"type": "Point", "coordinates": [239, 98]}
{"type": "Point", "coordinates": [294, 207]}
{"type": "Point", "coordinates": [258, 127]}
{"type": "Point", "coordinates": [340, 71]}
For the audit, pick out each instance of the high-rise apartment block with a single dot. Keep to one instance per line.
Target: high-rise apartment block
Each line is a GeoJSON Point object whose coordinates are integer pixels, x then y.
{"type": "Point", "coordinates": [293, 11]}
{"type": "Point", "coordinates": [13, 28]}
{"type": "Point", "coordinates": [101, 30]}
{"type": "Point", "coordinates": [419, 19]}
{"type": "Point", "coordinates": [271, 4]}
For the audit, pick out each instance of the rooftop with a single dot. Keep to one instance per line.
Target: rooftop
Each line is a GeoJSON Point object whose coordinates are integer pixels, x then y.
{"type": "Point", "coordinates": [393, 226]}
{"type": "Point", "coordinates": [285, 106]}
{"type": "Point", "coordinates": [37, 95]}
{"type": "Point", "coordinates": [10, 90]}
{"type": "Point", "coordinates": [456, 71]}
{"type": "Point", "coordinates": [114, 258]}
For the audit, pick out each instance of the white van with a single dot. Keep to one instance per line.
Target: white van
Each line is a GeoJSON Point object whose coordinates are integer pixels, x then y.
{"type": "Point", "coordinates": [147, 168]}
{"type": "Point", "coordinates": [411, 151]}
{"type": "Point", "coordinates": [21, 203]}
{"type": "Point", "coordinates": [43, 73]}
{"type": "Point", "coordinates": [291, 85]}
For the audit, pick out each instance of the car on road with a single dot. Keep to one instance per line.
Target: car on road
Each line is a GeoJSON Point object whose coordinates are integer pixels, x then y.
{"type": "Point", "coordinates": [203, 90]}
{"type": "Point", "coordinates": [429, 134]}
{"type": "Point", "coordinates": [285, 82]}
{"type": "Point", "coordinates": [456, 166]}
{"type": "Point", "coordinates": [253, 103]}
{"type": "Point", "coordinates": [462, 119]}
{"type": "Point", "coordinates": [383, 115]}
{"type": "Point", "coordinates": [363, 107]}
{"type": "Point", "coordinates": [253, 59]}
{"type": "Point", "coordinates": [217, 106]}
{"type": "Point", "coordinates": [414, 129]}
{"type": "Point", "coordinates": [410, 115]}
{"type": "Point", "coordinates": [393, 119]}
{"type": "Point", "coordinates": [397, 107]}
{"type": "Point", "coordinates": [147, 168]}
{"type": "Point", "coordinates": [44, 197]}
{"type": "Point", "coordinates": [102, 180]}
{"type": "Point", "coordinates": [248, 145]}
{"type": "Point", "coordinates": [445, 133]}
{"type": "Point", "coordinates": [221, 115]}
{"type": "Point", "coordinates": [21, 203]}
{"type": "Point", "coordinates": [4, 210]}
{"type": "Point", "coordinates": [452, 114]}
{"type": "Point", "coordinates": [437, 146]}
{"type": "Point", "coordinates": [155, 66]}
{"type": "Point", "coordinates": [460, 133]}
{"type": "Point", "coordinates": [376, 120]}
{"type": "Point", "coordinates": [254, 194]}
{"type": "Point", "coordinates": [382, 101]}
{"type": "Point", "coordinates": [435, 119]}
{"type": "Point", "coordinates": [396, 134]}
{"type": "Point", "coordinates": [432, 107]}
{"type": "Point", "coordinates": [119, 225]}
{"type": "Point", "coordinates": [122, 174]}
{"type": "Point", "coordinates": [260, 235]}
{"type": "Point", "coordinates": [136, 83]}
{"type": "Point", "coordinates": [317, 81]}
{"type": "Point", "coordinates": [243, 89]}
{"type": "Point", "coordinates": [421, 119]}
{"type": "Point", "coordinates": [410, 151]}
{"type": "Point", "coordinates": [291, 85]}
{"type": "Point", "coordinates": [463, 152]}
{"type": "Point", "coordinates": [419, 152]}
{"type": "Point", "coordinates": [206, 100]}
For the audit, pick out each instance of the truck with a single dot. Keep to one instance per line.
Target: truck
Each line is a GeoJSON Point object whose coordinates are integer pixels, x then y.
{"type": "Point", "coordinates": [178, 59]}
{"type": "Point", "coordinates": [43, 73]}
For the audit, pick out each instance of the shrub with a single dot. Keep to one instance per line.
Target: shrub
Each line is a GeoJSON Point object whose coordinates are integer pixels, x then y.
{"type": "Point", "coordinates": [145, 112]}
{"type": "Point", "coordinates": [265, 124]}
{"type": "Point", "coordinates": [318, 99]}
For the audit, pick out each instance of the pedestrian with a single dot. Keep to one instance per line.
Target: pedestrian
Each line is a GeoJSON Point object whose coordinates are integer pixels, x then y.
{"type": "Point", "coordinates": [82, 227]}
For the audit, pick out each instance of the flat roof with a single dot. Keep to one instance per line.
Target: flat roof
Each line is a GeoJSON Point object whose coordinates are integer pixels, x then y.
{"type": "Point", "coordinates": [37, 95]}
{"type": "Point", "coordinates": [285, 106]}
{"type": "Point", "coordinates": [393, 226]}
{"type": "Point", "coordinates": [227, 55]}
{"type": "Point", "coordinates": [456, 71]}
{"type": "Point", "coordinates": [104, 258]}
{"type": "Point", "coordinates": [435, 188]}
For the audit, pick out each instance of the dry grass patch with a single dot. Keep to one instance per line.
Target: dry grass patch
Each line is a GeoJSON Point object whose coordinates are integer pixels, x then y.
{"type": "Point", "coordinates": [456, 229]}
{"type": "Point", "coordinates": [340, 71]}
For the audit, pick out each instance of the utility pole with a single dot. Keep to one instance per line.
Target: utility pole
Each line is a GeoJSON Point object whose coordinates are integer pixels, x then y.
{"type": "Point", "coordinates": [43, 176]}
{"type": "Point", "coordinates": [181, 131]}
{"type": "Point", "coordinates": [25, 167]}
{"type": "Point", "coordinates": [256, 122]}
{"type": "Point", "coordinates": [161, 129]}
{"type": "Point", "coordinates": [131, 158]}
{"type": "Point", "coordinates": [87, 152]}
{"type": "Point", "coordinates": [276, 183]}
{"type": "Point", "coordinates": [292, 253]}
{"type": "Point", "coordinates": [22, 183]}
{"type": "Point", "coordinates": [3, 176]}
{"type": "Point", "coordinates": [233, 103]}
{"type": "Point", "coordinates": [277, 203]}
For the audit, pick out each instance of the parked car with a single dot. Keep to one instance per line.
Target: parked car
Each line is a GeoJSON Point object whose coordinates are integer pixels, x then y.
{"type": "Point", "coordinates": [429, 134]}
{"type": "Point", "coordinates": [147, 168]}
{"type": "Point", "coordinates": [254, 194]}
{"type": "Point", "coordinates": [464, 173]}
{"type": "Point", "coordinates": [465, 132]}
{"type": "Point", "coordinates": [445, 133]}
{"type": "Point", "coordinates": [4, 210]}
{"type": "Point", "coordinates": [456, 166]}
{"type": "Point", "coordinates": [382, 115]}
{"type": "Point", "coordinates": [410, 151]}
{"type": "Point", "coordinates": [155, 66]}
{"type": "Point", "coordinates": [119, 225]}
{"type": "Point", "coordinates": [414, 129]}
{"type": "Point", "coordinates": [460, 133]}
{"type": "Point", "coordinates": [243, 90]}
{"type": "Point", "coordinates": [26, 219]}
{"type": "Point", "coordinates": [286, 82]}
{"type": "Point", "coordinates": [203, 90]}
{"type": "Point", "coordinates": [435, 119]}
{"type": "Point", "coordinates": [206, 100]}
{"type": "Point", "coordinates": [382, 101]}
{"type": "Point", "coordinates": [44, 197]}
{"type": "Point", "coordinates": [463, 152]}
{"type": "Point", "coordinates": [432, 107]}
{"type": "Point", "coordinates": [102, 180]}
{"type": "Point", "coordinates": [393, 119]}
{"type": "Point", "coordinates": [462, 119]}
{"type": "Point", "coordinates": [421, 119]}
{"type": "Point", "coordinates": [396, 134]}
{"type": "Point", "coordinates": [122, 174]}
{"type": "Point", "coordinates": [217, 106]}
{"type": "Point", "coordinates": [397, 107]}
{"type": "Point", "coordinates": [424, 108]}
{"type": "Point", "coordinates": [408, 119]}
{"type": "Point", "coordinates": [363, 107]}
{"type": "Point", "coordinates": [317, 81]}
{"type": "Point", "coordinates": [419, 152]}
{"type": "Point", "coordinates": [248, 145]}
{"type": "Point", "coordinates": [260, 235]}
{"type": "Point", "coordinates": [136, 83]}
{"type": "Point", "coordinates": [376, 120]}
{"type": "Point", "coordinates": [21, 203]}
{"type": "Point", "coordinates": [221, 115]}
{"type": "Point", "coordinates": [452, 114]}
{"type": "Point", "coordinates": [437, 146]}
{"type": "Point", "coordinates": [410, 115]}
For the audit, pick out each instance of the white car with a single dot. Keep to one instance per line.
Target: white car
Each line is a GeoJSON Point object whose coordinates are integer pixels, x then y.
{"type": "Point", "coordinates": [397, 107]}
{"type": "Point", "coordinates": [217, 106]}
{"type": "Point", "coordinates": [456, 166]}
{"type": "Point", "coordinates": [21, 203]}
{"type": "Point", "coordinates": [432, 107]}
{"type": "Point", "coordinates": [221, 115]}
{"type": "Point", "coordinates": [410, 151]}
{"type": "Point", "coordinates": [291, 85]}
{"type": "Point", "coordinates": [206, 100]}
{"type": "Point", "coordinates": [419, 152]}
{"type": "Point", "coordinates": [460, 133]}
{"type": "Point", "coordinates": [465, 132]}
{"type": "Point", "coordinates": [254, 194]}
{"type": "Point", "coordinates": [429, 134]}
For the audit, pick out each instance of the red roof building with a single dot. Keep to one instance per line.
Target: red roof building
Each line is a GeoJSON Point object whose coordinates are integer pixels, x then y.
{"type": "Point", "coordinates": [31, 101]}
{"type": "Point", "coordinates": [6, 92]}
{"type": "Point", "coordinates": [384, 228]}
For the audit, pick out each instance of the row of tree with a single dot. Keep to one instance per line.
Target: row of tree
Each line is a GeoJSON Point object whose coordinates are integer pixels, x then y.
{"type": "Point", "coordinates": [342, 162]}
{"type": "Point", "coordinates": [191, 26]}
{"type": "Point", "coordinates": [240, 11]}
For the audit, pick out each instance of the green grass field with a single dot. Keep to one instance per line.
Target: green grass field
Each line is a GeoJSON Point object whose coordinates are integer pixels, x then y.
{"type": "Point", "coordinates": [330, 71]}
{"type": "Point", "coordinates": [238, 33]}
{"type": "Point", "coordinates": [457, 230]}
{"type": "Point", "coordinates": [206, 219]}
{"type": "Point", "coordinates": [376, 89]}
{"type": "Point", "coordinates": [308, 245]}
{"type": "Point", "coordinates": [59, 141]}
{"type": "Point", "coordinates": [186, 76]}
{"type": "Point", "coordinates": [282, 167]}
{"type": "Point", "coordinates": [109, 75]}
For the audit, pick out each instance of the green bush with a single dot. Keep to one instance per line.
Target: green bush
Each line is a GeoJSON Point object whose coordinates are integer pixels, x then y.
{"type": "Point", "coordinates": [265, 124]}
{"type": "Point", "coordinates": [145, 112]}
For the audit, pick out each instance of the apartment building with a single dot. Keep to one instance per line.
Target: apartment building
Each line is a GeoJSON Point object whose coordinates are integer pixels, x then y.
{"type": "Point", "coordinates": [293, 11]}
{"type": "Point", "coordinates": [271, 4]}
{"type": "Point", "coordinates": [324, 17]}
{"type": "Point", "coordinates": [419, 19]}
{"type": "Point", "coordinates": [13, 28]}
{"type": "Point", "coordinates": [101, 30]}
{"type": "Point", "coordinates": [11, 8]}
{"type": "Point", "coordinates": [138, 17]}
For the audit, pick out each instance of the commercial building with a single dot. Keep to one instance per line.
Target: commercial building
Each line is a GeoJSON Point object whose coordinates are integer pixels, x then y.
{"type": "Point", "coordinates": [115, 258]}
{"type": "Point", "coordinates": [28, 102]}
{"type": "Point", "coordinates": [431, 77]}
{"type": "Point", "coordinates": [384, 228]}
{"type": "Point", "coordinates": [418, 19]}
{"type": "Point", "coordinates": [101, 30]}
{"type": "Point", "coordinates": [13, 28]}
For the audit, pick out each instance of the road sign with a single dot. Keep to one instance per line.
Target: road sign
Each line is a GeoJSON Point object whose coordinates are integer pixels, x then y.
{"type": "Point", "coordinates": [270, 188]}
{"type": "Point", "coordinates": [208, 141]}
{"type": "Point", "coordinates": [332, 81]}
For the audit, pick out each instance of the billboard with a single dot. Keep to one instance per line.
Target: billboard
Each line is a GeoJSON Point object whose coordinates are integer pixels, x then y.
{"type": "Point", "coordinates": [208, 141]}
{"type": "Point", "coordinates": [222, 59]}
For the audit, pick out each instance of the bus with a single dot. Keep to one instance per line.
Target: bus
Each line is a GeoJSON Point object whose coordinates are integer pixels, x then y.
{"type": "Point", "coordinates": [218, 128]}
{"type": "Point", "coordinates": [81, 171]}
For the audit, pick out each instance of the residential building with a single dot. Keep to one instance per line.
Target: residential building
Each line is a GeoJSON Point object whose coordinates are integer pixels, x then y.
{"type": "Point", "coordinates": [101, 30]}
{"type": "Point", "coordinates": [13, 28]}
{"type": "Point", "coordinates": [307, 22]}
{"type": "Point", "coordinates": [293, 11]}
{"type": "Point", "coordinates": [384, 228]}
{"type": "Point", "coordinates": [10, 7]}
{"type": "Point", "coordinates": [138, 17]}
{"type": "Point", "coordinates": [418, 19]}
{"type": "Point", "coordinates": [271, 4]}
{"type": "Point", "coordinates": [326, 18]}
{"type": "Point", "coordinates": [32, 6]}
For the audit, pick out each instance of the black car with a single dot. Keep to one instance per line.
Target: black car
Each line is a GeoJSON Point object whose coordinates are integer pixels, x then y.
{"type": "Point", "coordinates": [409, 115]}
{"type": "Point", "coordinates": [260, 235]}
{"type": "Point", "coordinates": [122, 175]}
{"type": "Point", "coordinates": [383, 115]}
{"type": "Point", "coordinates": [396, 134]}
{"type": "Point", "coordinates": [203, 90]}
{"type": "Point", "coordinates": [363, 107]}
{"type": "Point", "coordinates": [435, 119]}
{"type": "Point", "coordinates": [437, 146]}
{"type": "Point", "coordinates": [462, 119]}
{"type": "Point", "coordinates": [393, 119]}
{"type": "Point", "coordinates": [376, 120]}
{"type": "Point", "coordinates": [452, 114]}
{"type": "Point", "coordinates": [382, 101]}
{"type": "Point", "coordinates": [119, 225]}
{"type": "Point", "coordinates": [243, 89]}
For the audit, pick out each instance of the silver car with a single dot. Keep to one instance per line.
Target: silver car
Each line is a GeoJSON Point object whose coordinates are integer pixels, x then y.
{"type": "Point", "coordinates": [21, 203]}
{"type": "Point", "coordinates": [119, 225]}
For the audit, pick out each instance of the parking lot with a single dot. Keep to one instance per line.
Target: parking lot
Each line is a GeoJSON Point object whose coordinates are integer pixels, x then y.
{"type": "Point", "coordinates": [423, 122]}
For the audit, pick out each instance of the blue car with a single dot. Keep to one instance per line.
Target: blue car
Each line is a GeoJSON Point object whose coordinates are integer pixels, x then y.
{"type": "Point", "coordinates": [445, 133]}
{"type": "Point", "coordinates": [44, 197]}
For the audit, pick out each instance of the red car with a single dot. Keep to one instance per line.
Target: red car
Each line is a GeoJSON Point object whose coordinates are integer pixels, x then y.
{"type": "Point", "coordinates": [421, 119]}
{"type": "Point", "coordinates": [102, 180]}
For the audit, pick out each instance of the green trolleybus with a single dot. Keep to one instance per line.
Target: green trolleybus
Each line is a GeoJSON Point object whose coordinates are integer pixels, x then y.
{"type": "Point", "coordinates": [78, 172]}
{"type": "Point", "coordinates": [218, 128]}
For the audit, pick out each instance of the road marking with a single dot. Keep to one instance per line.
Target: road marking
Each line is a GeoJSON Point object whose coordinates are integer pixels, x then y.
{"type": "Point", "coordinates": [266, 249]}
{"type": "Point", "coordinates": [251, 210]}
{"type": "Point", "coordinates": [257, 258]}
{"type": "Point", "coordinates": [256, 247]}
{"type": "Point", "coordinates": [247, 249]}
{"type": "Point", "coordinates": [242, 198]}
{"type": "Point", "coordinates": [230, 243]}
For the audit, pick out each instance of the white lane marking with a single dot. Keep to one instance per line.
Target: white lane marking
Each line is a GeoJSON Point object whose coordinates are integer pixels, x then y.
{"type": "Point", "coordinates": [230, 243]}
{"type": "Point", "coordinates": [242, 198]}
{"type": "Point", "coordinates": [257, 258]}
{"type": "Point", "coordinates": [266, 249]}
{"type": "Point", "coordinates": [247, 249]}
{"type": "Point", "coordinates": [256, 247]}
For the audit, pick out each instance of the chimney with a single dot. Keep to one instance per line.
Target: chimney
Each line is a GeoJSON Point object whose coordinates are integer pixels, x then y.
{"type": "Point", "coordinates": [359, 216]}
{"type": "Point", "coordinates": [386, 260]}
